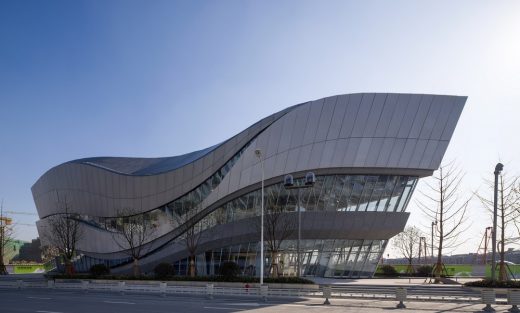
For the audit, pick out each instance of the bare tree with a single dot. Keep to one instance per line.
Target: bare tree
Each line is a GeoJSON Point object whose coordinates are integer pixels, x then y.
{"type": "Point", "coordinates": [278, 227]}
{"type": "Point", "coordinates": [6, 236]}
{"type": "Point", "coordinates": [64, 233]}
{"type": "Point", "coordinates": [508, 214]}
{"type": "Point", "coordinates": [444, 205]}
{"type": "Point", "coordinates": [193, 234]}
{"type": "Point", "coordinates": [49, 253]}
{"type": "Point", "coordinates": [133, 231]}
{"type": "Point", "coordinates": [407, 242]}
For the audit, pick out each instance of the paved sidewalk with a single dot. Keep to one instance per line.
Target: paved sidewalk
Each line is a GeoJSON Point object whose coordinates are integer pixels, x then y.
{"type": "Point", "coordinates": [382, 281]}
{"type": "Point", "coordinates": [382, 306]}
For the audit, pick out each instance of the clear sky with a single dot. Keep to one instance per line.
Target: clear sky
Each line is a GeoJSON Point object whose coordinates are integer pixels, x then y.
{"type": "Point", "coordinates": [162, 78]}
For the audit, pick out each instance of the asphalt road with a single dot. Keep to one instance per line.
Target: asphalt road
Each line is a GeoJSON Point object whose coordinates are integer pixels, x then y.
{"type": "Point", "coordinates": [46, 301]}
{"type": "Point", "coordinates": [56, 301]}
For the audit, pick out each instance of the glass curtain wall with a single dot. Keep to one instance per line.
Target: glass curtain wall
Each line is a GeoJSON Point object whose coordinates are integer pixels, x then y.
{"type": "Point", "coordinates": [328, 258]}
{"type": "Point", "coordinates": [331, 258]}
{"type": "Point", "coordinates": [349, 193]}
{"type": "Point", "coordinates": [323, 258]}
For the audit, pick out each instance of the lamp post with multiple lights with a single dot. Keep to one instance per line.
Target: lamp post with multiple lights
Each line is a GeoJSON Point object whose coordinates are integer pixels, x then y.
{"type": "Point", "coordinates": [498, 168]}
{"type": "Point", "coordinates": [310, 180]}
{"type": "Point", "coordinates": [258, 154]}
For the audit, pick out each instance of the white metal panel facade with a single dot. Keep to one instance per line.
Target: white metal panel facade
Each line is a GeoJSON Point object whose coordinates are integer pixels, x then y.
{"type": "Point", "coordinates": [356, 133]}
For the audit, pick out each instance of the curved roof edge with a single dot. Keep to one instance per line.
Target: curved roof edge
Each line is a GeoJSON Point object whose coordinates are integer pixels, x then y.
{"type": "Point", "coordinates": [145, 166]}
{"type": "Point", "coordinates": [135, 166]}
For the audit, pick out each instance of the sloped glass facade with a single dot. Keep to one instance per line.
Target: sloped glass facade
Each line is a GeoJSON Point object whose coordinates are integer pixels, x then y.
{"type": "Point", "coordinates": [322, 258]}
{"type": "Point", "coordinates": [330, 257]}
{"type": "Point", "coordinates": [334, 257]}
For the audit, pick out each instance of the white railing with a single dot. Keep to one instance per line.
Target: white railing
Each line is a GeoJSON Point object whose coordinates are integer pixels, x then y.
{"type": "Point", "coordinates": [325, 292]}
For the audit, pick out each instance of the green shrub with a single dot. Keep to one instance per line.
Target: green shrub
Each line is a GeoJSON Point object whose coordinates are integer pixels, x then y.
{"type": "Point", "coordinates": [239, 279]}
{"type": "Point", "coordinates": [389, 271]}
{"type": "Point", "coordinates": [164, 270]}
{"type": "Point", "coordinates": [229, 270]}
{"type": "Point", "coordinates": [424, 271]}
{"type": "Point", "coordinates": [99, 270]}
{"type": "Point", "coordinates": [494, 284]}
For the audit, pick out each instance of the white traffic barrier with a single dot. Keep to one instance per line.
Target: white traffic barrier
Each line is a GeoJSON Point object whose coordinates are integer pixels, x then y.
{"type": "Point", "coordinates": [513, 298]}
{"type": "Point", "coordinates": [400, 295]}
{"type": "Point", "coordinates": [264, 289]}
{"type": "Point", "coordinates": [84, 285]}
{"type": "Point", "coordinates": [210, 290]}
{"type": "Point", "coordinates": [162, 289]}
{"type": "Point", "coordinates": [488, 297]}
{"type": "Point", "coordinates": [327, 291]}
{"type": "Point", "coordinates": [121, 287]}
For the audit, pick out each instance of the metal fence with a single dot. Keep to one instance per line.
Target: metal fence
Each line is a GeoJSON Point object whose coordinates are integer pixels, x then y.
{"type": "Point", "coordinates": [415, 293]}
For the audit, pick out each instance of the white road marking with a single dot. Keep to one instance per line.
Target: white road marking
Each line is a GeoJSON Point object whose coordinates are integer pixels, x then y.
{"type": "Point", "coordinates": [48, 312]}
{"type": "Point", "coordinates": [219, 308]}
{"type": "Point", "coordinates": [119, 302]}
{"type": "Point", "coordinates": [40, 298]}
{"type": "Point", "coordinates": [244, 304]}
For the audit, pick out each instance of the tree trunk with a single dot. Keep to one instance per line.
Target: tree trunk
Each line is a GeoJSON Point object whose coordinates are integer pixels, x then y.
{"type": "Point", "coordinates": [69, 268]}
{"type": "Point", "coordinates": [438, 266]}
{"type": "Point", "coordinates": [409, 268]}
{"type": "Point", "coordinates": [502, 275]}
{"type": "Point", "coordinates": [136, 268]}
{"type": "Point", "coordinates": [274, 265]}
{"type": "Point", "coordinates": [3, 270]}
{"type": "Point", "coordinates": [191, 266]}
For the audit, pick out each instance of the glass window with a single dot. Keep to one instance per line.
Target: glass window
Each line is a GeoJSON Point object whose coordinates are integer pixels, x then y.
{"type": "Point", "coordinates": [356, 192]}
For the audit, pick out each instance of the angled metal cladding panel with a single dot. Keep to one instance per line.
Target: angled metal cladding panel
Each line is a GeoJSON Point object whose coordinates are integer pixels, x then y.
{"type": "Point", "coordinates": [97, 191]}
{"type": "Point", "coordinates": [398, 131]}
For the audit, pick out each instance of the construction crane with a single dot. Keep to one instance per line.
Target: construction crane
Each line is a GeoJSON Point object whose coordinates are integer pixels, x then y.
{"type": "Point", "coordinates": [9, 221]}
{"type": "Point", "coordinates": [24, 224]}
{"type": "Point", "coordinates": [4, 221]}
{"type": "Point", "coordinates": [422, 249]}
{"type": "Point", "coordinates": [484, 244]}
{"type": "Point", "coordinates": [20, 213]}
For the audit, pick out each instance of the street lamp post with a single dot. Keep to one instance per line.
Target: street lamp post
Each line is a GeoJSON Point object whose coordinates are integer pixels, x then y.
{"type": "Point", "coordinates": [498, 168]}
{"type": "Point", "coordinates": [423, 249]}
{"type": "Point", "coordinates": [258, 154]}
{"type": "Point", "coordinates": [433, 224]}
{"type": "Point", "coordinates": [310, 179]}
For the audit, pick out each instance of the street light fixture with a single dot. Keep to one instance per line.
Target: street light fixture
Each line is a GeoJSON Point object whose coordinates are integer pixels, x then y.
{"type": "Point", "coordinates": [498, 168]}
{"type": "Point", "coordinates": [258, 154]}
{"type": "Point", "coordinates": [310, 180]}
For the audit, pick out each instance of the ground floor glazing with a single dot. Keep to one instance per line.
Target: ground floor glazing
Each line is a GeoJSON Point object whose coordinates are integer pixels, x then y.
{"type": "Point", "coordinates": [320, 258]}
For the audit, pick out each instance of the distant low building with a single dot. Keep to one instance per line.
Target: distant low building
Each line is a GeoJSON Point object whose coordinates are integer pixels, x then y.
{"type": "Point", "coordinates": [29, 252]}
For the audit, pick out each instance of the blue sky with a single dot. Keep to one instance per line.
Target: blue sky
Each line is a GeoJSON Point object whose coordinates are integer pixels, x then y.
{"type": "Point", "coordinates": [161, 78]}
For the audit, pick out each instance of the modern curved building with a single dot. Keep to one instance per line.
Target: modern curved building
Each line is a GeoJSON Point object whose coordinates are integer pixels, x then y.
{"type": "Point", "coordinates": [367, 151]}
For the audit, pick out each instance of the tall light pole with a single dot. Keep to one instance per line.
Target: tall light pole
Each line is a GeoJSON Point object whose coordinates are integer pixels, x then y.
{"type": "Point", "coordinates": [423, 249]}
{"type": "Point", "coordinates": [433, 224]}
{"type": "Point", "coordinates": [310, 179]}
{"type": "Point", "coordinates": [258, 154]}
{"type": "Point", "coordinates": [498, 168]}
